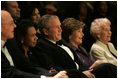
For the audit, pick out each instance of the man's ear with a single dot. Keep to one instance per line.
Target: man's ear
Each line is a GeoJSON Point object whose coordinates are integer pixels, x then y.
{"type": "Point", "coordinates": [45, 31]}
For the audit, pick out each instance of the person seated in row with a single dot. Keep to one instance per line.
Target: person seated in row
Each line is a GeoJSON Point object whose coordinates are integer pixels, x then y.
{"type": "Point", "coordinates": [26, 36]}
{"type": "Point", "coordinates": [102, 49]}
{"type": "Point", "coordinates": [73, 33]}
{"type": "Point", "coordinates": [13, 63]}
{"type": "Point", "coordinates": [61, 55]}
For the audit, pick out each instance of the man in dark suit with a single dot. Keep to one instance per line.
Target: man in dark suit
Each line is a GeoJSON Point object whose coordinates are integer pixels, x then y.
{"type": "Point", "coordinates": [13, 63]}
{"type": "Point", "coordinates": [61, 56]}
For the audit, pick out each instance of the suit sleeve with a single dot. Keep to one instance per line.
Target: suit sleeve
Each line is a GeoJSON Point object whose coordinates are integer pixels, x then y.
{"type": "Point", "coordinates": [11, 72]}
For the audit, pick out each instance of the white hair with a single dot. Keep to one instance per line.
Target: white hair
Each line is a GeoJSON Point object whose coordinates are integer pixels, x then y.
{"type": "Point", "coordinates": [97, 25]}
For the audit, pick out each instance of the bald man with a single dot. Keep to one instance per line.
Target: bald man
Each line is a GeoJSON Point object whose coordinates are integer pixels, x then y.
{"type": "Point", "coordinates": [9, 68]}
{"type": "Point", "coordinates": [7, 26]}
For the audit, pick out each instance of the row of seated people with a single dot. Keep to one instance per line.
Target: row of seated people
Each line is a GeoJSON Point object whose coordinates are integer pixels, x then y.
{"type": "Point", "coordinates": [42, 51]}
{"type": "Point", "coordinates": [68, 53]}
{"type": "Point", "coordinates": [58, 56]}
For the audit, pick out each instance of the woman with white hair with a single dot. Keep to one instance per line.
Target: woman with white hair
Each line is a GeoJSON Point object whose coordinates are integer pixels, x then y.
{"type": "Point", "coordinates": [102, 49]}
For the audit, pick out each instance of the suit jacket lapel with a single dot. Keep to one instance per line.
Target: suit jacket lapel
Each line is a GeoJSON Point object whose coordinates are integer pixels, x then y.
{"type": "Point", "coordinates": [4, 61]}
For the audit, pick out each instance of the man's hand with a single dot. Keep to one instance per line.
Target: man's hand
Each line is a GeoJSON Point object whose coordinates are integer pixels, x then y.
{"type": "Point", "coordinates": [89, 74]}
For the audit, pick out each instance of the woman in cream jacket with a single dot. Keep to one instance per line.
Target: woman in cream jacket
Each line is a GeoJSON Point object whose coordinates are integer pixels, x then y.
{"type": "Point", "coordinates": [102, 49]}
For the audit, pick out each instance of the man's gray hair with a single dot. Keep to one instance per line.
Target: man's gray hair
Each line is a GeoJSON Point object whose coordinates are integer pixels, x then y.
{"type": "Point", "coordinates": [97, 25]}
{"type": "Point", "coordinates": [45, 21]}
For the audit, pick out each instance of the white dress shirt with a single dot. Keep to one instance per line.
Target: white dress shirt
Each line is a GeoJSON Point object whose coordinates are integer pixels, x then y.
{"type": "Point", "coordinates": [67, 50]}
{"type": "Point", "coordinates": [6, 53]}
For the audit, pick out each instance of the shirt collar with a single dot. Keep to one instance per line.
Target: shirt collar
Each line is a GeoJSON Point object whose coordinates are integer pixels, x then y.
{"type": "Point", "coordinates": [52, 41]}
{"type": "Point", "coordinates": [2, 43]}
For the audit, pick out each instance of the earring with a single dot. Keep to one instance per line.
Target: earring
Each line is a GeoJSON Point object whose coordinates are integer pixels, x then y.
{"type": "Point", "coordinates": [22, 41]}
{"type": "Point", "coordinates": [69, 37]}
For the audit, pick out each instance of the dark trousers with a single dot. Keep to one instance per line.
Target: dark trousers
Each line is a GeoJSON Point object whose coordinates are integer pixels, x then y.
{"type": "Point", "coordinates": [105, 70]}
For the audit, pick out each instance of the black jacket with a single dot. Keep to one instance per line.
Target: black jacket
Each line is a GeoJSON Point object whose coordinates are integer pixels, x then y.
{"type": "Point", "coordinates": [22, 67]}
{"type": "Point", "coordinates": [54, 56]}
